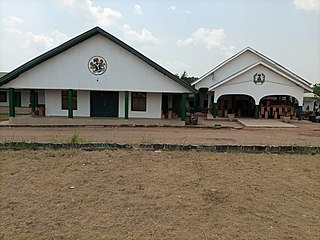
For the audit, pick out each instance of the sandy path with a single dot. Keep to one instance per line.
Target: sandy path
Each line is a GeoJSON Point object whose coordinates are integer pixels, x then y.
{"type": "Point", "coordinates": [304, 135]}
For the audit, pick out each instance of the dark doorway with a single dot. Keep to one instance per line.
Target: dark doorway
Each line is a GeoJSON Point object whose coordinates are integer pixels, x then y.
{"type": "Point", "coordinates": [176, 104]}
{"type": "Point", "coordinates": [240, 105]}
{"type": "Point", "coordinates": [165, 104]}
{"type": "Point", "coordinates": [104, 104]}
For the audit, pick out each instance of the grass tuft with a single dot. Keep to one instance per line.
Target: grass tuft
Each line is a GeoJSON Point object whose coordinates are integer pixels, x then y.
{"type": "Point", "coordinates": [75, 139]}
{"type": "Point", "coordinates": [146, 139]}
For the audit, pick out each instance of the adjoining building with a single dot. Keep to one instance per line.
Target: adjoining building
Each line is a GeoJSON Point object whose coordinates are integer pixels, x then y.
{"type": "Point", "coordinates": [311, 102]}
{"type": "Point", "coordinates": [95, 75]}
{"type": "Point", "coordinates": [249, 84]}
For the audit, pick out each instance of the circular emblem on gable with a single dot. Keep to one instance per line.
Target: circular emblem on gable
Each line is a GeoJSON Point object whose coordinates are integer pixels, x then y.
{"type": "Point", "coordinates": [259, 78]}
{"type": "Point", "coordinates": [97, 65]}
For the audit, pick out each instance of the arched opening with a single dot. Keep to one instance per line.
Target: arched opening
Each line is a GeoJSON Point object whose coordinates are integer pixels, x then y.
{"type": "Point", "coordinates": [278, 106]}
{"type": "Point", "coordinates": [239, 105]}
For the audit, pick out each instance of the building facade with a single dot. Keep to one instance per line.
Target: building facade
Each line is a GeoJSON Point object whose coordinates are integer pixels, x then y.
{"type": "Point", "coordinates": [311, 102]}
{"type": "Point", "coordinates": [95, 75]}
{"type": "Point", "coordinates": [249, 84]}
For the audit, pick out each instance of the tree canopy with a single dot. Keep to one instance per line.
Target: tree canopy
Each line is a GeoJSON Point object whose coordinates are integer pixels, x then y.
{"type": "Point", "coordinates": [316, 89]}
{"type": "Point", "coordinates": [184, 76]}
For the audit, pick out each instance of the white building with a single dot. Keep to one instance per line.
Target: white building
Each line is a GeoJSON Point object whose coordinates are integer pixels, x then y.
{"type": "Point", "coordinates": [311, 102]}
{"type": "Point", "coordinates": [94, 75]}
{"type": "Point", "coordinates": [250, 84]}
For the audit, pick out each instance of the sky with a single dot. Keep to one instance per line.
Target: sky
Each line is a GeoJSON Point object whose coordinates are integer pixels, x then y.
{"type": "Point", "coordinates": [180, 35]}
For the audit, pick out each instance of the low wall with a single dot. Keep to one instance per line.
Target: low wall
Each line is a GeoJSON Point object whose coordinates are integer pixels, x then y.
{"type": "Point", "coordinates": [19, 110]}
{"type": "Point", "coordinates": [164, 147]}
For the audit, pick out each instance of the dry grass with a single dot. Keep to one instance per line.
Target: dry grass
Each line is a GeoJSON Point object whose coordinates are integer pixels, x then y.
{"type": "Point", "coordinates": [4, 117]}
{"type": "Point", "coordinates": [71, 194]}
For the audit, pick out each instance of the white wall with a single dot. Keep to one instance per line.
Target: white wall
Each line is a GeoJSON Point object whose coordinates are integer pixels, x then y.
{"type": "Point", "coordinates": [153, 108]}
{"type": "Point", "coordinates": [310, 102]}
{"type": "Point", "coordinates": [69, 70]}
{"type": "Point", "coordinates": [53, 104]}
{"type": "Point", "coordinates": [242, 61]}
{"type": "Point", "coordinates": [25, 98]}
{"type": "Point", "coordinates": [41, 97]}
{"type": "Point", "coordinates": [274, 85]}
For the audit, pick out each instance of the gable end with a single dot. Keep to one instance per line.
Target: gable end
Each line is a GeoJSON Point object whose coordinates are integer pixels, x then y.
{"type": "Point", "coordinates": [82, 37]}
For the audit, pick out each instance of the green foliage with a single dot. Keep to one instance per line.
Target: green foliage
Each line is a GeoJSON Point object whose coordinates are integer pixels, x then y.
{"type": "Point", "coordinates": [4, 116]}
{"type": "Point", "coordinates": [22, 145]}
{"type": "Point", "coordinates": [184, 76]}
{"type": "Point", "coordinates": [308, 112]}
{"type": "Point", "coordinates": [75, 139]}
{"type": "Point", "coordinates": [316, 89]}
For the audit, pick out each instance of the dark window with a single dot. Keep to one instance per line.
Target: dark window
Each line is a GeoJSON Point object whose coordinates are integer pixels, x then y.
{"type": "Point", "coordinates": [3, 96]}
{"type": "Point", "coordinates": [17, 99]}
{"type": "Point", "coordinates": [138, 101]}
{"type": "Point", "coordinates": [64, 100]}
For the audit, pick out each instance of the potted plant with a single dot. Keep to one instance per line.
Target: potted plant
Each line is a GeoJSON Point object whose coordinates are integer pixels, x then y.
{"type": "Point", "coordinates": [231, 117]}
{"type": "Point", "coordinates": [286, 117]}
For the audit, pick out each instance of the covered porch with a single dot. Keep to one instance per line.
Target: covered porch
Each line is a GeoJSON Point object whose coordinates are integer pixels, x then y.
{"type": "Point", "coordinates": [37, 103]}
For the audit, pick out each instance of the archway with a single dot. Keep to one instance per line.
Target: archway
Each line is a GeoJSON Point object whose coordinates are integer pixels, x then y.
{"type": "Point", "coordinates": [239, 104]}
{"type": "Point", "coordinates": [278, 106]}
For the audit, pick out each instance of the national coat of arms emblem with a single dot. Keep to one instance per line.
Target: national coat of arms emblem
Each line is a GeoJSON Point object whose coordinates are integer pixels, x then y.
{"type": "Point", "coordinates": [97, 65]}
{"type": "Point", "coordinates": [259, 78]}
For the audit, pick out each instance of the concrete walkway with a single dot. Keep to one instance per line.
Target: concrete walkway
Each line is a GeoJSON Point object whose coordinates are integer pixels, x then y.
{"type": "Point", "coordinates": [264, 123]}
{"type": "Point", "coordinates": [27, 120]}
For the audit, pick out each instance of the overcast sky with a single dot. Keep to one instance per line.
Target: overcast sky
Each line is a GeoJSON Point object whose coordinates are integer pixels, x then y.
{"type": "Point", "coordinates": [179, 35]}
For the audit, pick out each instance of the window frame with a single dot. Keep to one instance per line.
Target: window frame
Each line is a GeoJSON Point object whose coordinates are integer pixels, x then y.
{"type": "Point", "coordinates": [139, 101]}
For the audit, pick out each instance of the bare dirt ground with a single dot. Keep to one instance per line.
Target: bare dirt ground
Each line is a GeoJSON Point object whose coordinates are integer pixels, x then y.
{"type": "Point", "coordinates": [70, 194]}
{"type": "Point", "coordinates": [303, 135]}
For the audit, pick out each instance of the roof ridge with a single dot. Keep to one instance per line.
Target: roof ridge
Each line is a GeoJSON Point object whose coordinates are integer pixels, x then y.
{"type": "Point", "coordinates": [220, 65]}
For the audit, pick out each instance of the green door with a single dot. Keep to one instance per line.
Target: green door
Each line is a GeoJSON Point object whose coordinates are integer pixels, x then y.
{"type": "Point", "coordinates": [104, 104]}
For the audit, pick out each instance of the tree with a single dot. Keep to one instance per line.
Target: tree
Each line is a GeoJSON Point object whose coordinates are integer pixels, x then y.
{"type": "Point", "coordinates": [316, 89]}
{"type": "Point", "coordinates": [184, 77]}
